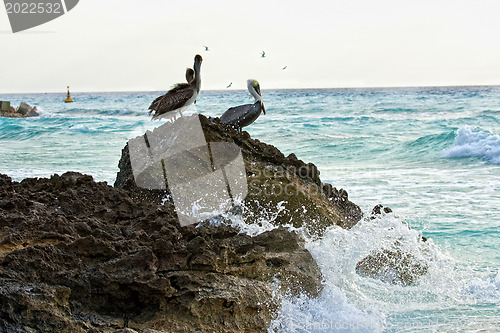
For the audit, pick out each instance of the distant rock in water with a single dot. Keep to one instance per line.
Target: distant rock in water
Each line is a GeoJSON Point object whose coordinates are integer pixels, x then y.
{"type": "Point", "coordinates": [273, 181]}
{"type": "Point", "coordinates": [23, 111]}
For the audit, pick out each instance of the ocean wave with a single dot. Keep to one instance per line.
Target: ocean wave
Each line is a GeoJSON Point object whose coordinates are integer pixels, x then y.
{"type": "Point", "coordinates": [339, 119]}
{"type": "Point", "coordinates": [82, 129]}
{"type": "Point", "coordinates": [22, 129]}
{"type": "Point", "coordinates": [475, 142]}
{"type": "Point", "coordinates": [432, 142]}
{"type": "Point", "coordinates": [485, 289]}
{"type": "Point", "coordinates": [491, 112]}
{"type": "Point", "coordinates": [102, 112]}
{"type": "Point", "coordinates": [373, 300]}
{"type": "Point", "coordinates": [396, 110]}
{"type": "Point", "coordinates": [7, 129]}
{"type": "Point", "coordinates": [331, 311]}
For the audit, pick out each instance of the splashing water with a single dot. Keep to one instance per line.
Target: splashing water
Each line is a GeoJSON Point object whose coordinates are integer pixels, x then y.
{"type": "Point", "coordinates": [474, 142]}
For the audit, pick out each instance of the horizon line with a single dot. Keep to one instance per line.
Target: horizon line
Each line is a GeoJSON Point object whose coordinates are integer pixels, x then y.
{"type": "Point", "coordinates": [274, 89]}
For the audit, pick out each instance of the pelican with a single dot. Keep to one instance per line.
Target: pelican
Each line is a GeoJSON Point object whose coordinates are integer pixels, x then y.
{"type": "Point", "coordinates": [181, 96]}
{"type": "Point", "coordinates": [178, 86]}
{"type": "Point", "coordinates": [263, 55]}
{"type": "Point", "coordinates": [244, 115]}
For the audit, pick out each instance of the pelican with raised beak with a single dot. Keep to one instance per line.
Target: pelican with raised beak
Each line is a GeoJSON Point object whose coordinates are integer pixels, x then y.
{"type": "Point", "coordinates": [181, 96]}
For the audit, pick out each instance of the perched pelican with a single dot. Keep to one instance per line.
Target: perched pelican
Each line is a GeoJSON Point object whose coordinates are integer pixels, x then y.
{"type": "Point", "coordinates": [244, 115]}
{"type": "Point", "coordinates": [206, 48]}
{"type": "Point", "coordinates": [181, 96]}
{"type": "Point", "coordinates": [229, 85]}
{"type": "Point", "coordinates": [263, 55]}
{"type": "Point", "coordinates": [178, 86]}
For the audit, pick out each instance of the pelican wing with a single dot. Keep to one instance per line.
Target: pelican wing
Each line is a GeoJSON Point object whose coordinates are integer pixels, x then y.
{"type": "Point", "coordinates": [156, 103]}
{"type": "Point", "coordinates": [243, 115]}
{"type": "Point", "coordinates": [179, 86]}
{"type": "Point", "coordinates": [173, 100]}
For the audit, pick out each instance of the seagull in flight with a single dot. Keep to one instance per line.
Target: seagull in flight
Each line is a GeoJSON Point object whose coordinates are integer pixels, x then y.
{"type": "Point", "coordinates": [206, 48]}
{"type": "Point", "coordinates": [263, 55]}
{"type": "Point", "coordinates": [229, 85]}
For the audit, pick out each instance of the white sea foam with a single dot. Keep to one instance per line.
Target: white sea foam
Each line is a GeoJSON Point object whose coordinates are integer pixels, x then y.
{"type": "Point", "coordinates": [353, 303]}
{"type": "Point", "coordinates": [485, 289]}
{"type": "Point", "coordinates": [350, 302]}
{"type": "Point", "coordinates": [340, 250]}
{"type": "Point", "coordinates": [474, 142]}
{"type": "Point", "coordinates": [331, 311]}
{"type": "Point", "coordinates": [82, 128]}
{"type": "Point", "coordinates": [252, 222]}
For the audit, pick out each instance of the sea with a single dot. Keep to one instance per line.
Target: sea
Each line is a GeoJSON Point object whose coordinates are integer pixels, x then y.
{"type": "Point", "coordinates": [430, 154]}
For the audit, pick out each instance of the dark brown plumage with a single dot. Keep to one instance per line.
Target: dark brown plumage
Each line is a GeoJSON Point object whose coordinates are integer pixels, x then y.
{"type": "Point", "coordinates": [181, 96]}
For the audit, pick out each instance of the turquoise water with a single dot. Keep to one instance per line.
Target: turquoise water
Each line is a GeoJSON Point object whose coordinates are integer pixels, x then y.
{"type": "Point", "coordinates": [431, 154]}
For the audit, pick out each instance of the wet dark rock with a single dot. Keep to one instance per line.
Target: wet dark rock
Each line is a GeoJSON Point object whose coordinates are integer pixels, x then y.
{"type": "Point", "coordinates": [379, 211]}
{"type": "Point", "coordinates": [81, 256]}
{"type": "Point", "coordinates": [33, 113]}
{"type": "Point", "coordinates": [10, 114]}
{"type": "Point", "coordinates": [273, 179]}
{"type": "Point", "coordinates": [392, 266]}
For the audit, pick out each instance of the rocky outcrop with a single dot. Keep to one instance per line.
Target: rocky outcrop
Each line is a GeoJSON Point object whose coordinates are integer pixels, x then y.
{"type": "Point", "coordinates": [23, 111]}
{"type": "Point", "coordinates": [76, 255]}
{"type": "Point", "coordinates": [274, 180]}
{"type": "Point", "coordinates": [392, 265]}
{"type": "Point", "coordinates": [81, 256]}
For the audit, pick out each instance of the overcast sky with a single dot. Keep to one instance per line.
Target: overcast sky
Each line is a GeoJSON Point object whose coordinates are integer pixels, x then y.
{"type": "Point", "coordinates": [125, 45]}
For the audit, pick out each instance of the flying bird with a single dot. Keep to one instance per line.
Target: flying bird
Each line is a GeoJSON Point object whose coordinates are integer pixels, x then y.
{"type": "Point", "coordinates": [229, 85]}
{"type": "Point", "coordinates": [244, 115]}
{"type": "Point", "coordinates": [285, 67]}
{"type": "Point", "coordinates": [206, 48]}
{"type": "Point", "coordinates": [263, 55]}
{"type": "Point", "coordinates": [181, 96]}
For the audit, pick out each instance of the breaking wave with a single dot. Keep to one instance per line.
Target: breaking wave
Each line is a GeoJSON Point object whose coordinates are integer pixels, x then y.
{"type": "Point", "coordinates": [475, 142]}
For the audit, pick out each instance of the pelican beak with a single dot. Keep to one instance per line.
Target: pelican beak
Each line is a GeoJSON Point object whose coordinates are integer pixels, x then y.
{"type": "Point", "coordinates": [197, 66]}
{"type": "Point", "coordinates": [257, 89]}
